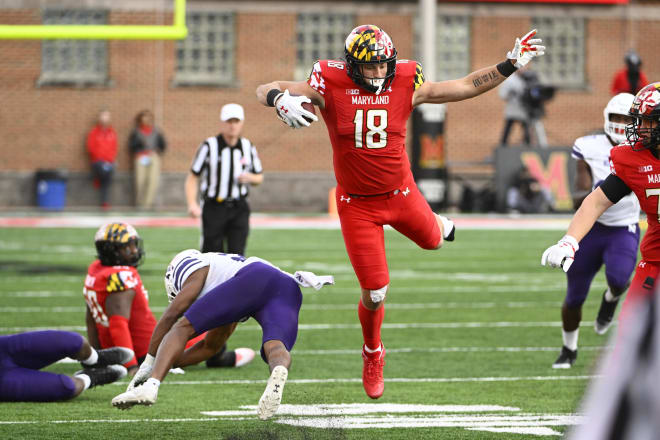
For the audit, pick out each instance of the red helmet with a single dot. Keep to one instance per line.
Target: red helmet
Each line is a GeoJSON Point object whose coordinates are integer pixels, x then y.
{"type": "Point", "coordinates": [645, 107]}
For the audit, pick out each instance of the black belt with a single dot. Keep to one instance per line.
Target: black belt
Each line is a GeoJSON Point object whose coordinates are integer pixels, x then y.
{"type": "Point", "coordinates": [381, 196]}
{"type": "Point", "coordinates": [224, 202]}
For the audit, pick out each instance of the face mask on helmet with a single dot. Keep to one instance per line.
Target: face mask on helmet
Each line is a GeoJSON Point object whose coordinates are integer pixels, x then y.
{"type": "Point", "coordinates": [118, 244]}
{"type": "Point", "coordinates": [369, 45]}
{"type": "Point", "coordinates": [644, 132]}
{"type": "Point", "coordinates": [180, 268]}
{"type": "Point", "coordinates": [617, 108]}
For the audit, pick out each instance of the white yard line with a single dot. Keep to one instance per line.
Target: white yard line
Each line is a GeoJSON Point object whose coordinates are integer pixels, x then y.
{"type": "Point", "coordinates": [388, 380]}
{"type": "Point", "coordinates": [304, 327]}
{"type": "Point", "coordinates": [35, 422]}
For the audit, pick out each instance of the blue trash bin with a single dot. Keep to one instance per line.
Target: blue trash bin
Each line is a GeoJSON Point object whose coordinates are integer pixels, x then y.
{"type": "Point", "coordinates": [51, 189]}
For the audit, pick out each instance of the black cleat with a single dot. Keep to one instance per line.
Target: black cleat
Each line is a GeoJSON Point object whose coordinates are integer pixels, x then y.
{"type": "Point", "coordinates": [447, 224]}
{"type": "Point", "coordinates": [111, 356]}
{"type": "Point", "coordinates": [104, 375]}
{"type": "Point", "coordinates": [605, 315]}
{"type": "Point", "coordinates": [566, 358]}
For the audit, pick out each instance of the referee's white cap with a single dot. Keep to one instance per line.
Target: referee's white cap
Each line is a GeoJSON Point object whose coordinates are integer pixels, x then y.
{"type": "Point", "coordinates": [232, 111]}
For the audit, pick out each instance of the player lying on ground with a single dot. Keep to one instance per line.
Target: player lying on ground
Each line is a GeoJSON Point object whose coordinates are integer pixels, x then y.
{"type": "Point", "coordinates": [213, 292]}
{"type": "Point", "coordinates": [613, 240]}
{"type": "Point", "coordinates": [118, 313]}
{"type": "Point", "coordinates": [635, 167]}
{"type": "Point", "coordinates": [365, 102]}
{"type": "Point", "coordinates": [24, 354]}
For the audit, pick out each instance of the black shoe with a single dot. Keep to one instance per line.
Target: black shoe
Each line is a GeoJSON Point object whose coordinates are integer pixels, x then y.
{"type": "Point", "coordinates": [224, 358]}
{"type": "Point", "coordinates": [605, 315]}
{"type": "Point", "coordinates": [566, 358]}
{"type": "Point", "coordinates": [104, 375]}
{"type": "Point", "coordinates": [452, 231]}
{"type": "Point", "coordinates": [111, 356]}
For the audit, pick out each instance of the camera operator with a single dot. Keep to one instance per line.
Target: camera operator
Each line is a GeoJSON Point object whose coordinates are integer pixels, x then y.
{"type": "Point", "coordinates": [534, 98]}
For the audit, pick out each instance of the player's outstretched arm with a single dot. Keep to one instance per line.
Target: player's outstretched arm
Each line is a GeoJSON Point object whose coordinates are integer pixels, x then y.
{"type": "Point", "coordinates": [294, 88]}
{"type": "Point", "coordinates": [288, 99]}
{"type": "Point", "coordinates": [480, 81]}
{"type": "Point", "coordinates": [562, 254]}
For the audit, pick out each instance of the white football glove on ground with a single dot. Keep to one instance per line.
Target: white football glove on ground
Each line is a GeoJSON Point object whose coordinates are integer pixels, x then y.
{"type": "Point", "coordinates": [143, 373]}
{"type": "Point", "coordinates": [525, 49]}
{"type": "Point", "coordinates": [290, 111]}
{"type": "Point", "coordinates": [561, 254]}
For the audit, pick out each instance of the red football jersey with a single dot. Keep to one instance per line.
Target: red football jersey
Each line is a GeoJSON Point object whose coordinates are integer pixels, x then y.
{"type": "Point", "coordinates": [102, 281]}
{"type": "Point", "coordinates": [640, 170]}
{"type": "Point", "coordinates": [367, 131]}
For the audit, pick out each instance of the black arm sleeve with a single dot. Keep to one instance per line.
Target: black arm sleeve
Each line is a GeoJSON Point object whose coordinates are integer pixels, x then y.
{"type": "Point", "coordinates": [614, 188]}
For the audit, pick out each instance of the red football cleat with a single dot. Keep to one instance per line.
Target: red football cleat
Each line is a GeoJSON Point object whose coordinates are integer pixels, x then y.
{"type": "Point", "coordinates": [372, 372]}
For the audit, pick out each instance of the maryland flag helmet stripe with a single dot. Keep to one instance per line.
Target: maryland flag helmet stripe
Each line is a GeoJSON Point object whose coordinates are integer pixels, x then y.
{"type": "Point", "coordinates": [645, 106]}
{"type": "Point", "coordinates": [111, 238]}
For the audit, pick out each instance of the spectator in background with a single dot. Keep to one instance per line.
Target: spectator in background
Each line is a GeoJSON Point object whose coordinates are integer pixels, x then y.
{"type": "Point", "coordinates": [147, 144]}
{"type": "Point", "coordinates": [512, 90]}
{"type": "Point", "coordinates": [102, 148]}
{"type": "Point", "coordinates": [526, 195]}
{"type": "Point", "coordinates": [631, 78]}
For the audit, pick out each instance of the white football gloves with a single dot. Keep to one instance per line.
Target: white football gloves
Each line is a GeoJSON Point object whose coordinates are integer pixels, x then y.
{"type": "Point", "coordinates": [143, 373]}
{"type": "Point", "coordinates": [561, 254]}
{"type": "Point", "coordinates": [525, 49]}
{"type": "Point", "coordinates": [290, 111]}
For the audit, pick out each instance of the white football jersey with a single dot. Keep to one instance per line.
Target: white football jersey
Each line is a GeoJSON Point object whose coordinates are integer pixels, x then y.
{"type": "Point", "coordinates": [595, 151]}
{"type": "Point", "coordinates": [222, 267]}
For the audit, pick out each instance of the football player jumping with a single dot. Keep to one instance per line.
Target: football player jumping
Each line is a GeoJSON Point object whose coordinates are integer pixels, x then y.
{"type": "Point", "coordinates": [614, 238]}
{"type": "Point", "coordinates": [118, 313]}
{"type": "Point", "coordinates": [635, 167]}
{"type": "Point", "coordinates": [211, 293]}
{"type": "Point", "coordinates": [366, 101]}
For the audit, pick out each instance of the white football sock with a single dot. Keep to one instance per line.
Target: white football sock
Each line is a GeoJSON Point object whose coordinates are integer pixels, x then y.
{"type": "Point", "coordinates": [86, 380]}
{"type": "Point", "coordinates": [609, 297]}
{"type": "Point", "coordinates": [570, 339]}
{"type": "Point", "coordinates": [153, 381]}
{"type": "Point", "coordinates": [369, 350]}
{"type": "Point", "coordinates": [92, 359]}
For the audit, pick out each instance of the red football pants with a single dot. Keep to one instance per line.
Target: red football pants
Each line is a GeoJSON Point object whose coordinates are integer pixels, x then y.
{"type": "Point", "coordinates": [362, 221]}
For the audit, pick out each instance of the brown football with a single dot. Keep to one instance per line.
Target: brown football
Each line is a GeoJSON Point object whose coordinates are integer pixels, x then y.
{"type": "Point", "coordinates": [310, 108]}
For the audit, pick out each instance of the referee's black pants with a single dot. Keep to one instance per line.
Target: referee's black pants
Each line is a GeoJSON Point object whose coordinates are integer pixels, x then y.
{"type": "Point", "coordinates": [225, 226]}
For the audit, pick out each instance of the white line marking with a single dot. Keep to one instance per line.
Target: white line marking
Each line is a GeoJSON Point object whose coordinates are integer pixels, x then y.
{"type": "Point", "coordinates": [350, 306]}
{"type": "Point", "coordinates": [399, 326]}
{"type": "Point", "coordinates": [388, 380]}
{"type": "Point", "coordinates": [39, 294]}
{"type": "Point", "coordinates": [361, 408]}
{"type": "Point", "coordinates": [445, 350]}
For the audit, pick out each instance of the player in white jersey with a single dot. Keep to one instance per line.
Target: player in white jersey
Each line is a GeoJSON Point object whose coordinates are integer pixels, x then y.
{"type": "Point", "coordinates": [612, 241]}
{"type": "Point", "coordinates": [212, 292]}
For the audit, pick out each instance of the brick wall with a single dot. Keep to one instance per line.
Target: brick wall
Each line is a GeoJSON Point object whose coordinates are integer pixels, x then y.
{"type": "Point", "coordinates": [44, 127]}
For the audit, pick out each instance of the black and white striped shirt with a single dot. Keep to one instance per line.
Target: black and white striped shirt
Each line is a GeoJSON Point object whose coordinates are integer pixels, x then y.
{"type": "Point", "coordinates": [219, 166]}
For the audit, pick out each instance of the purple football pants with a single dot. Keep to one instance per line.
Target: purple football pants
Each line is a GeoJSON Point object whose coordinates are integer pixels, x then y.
{"type": "Point", "coordinates": [614, 246]}
{"type": "Point", "coordinates": [259, 291]}
{"type": "Point", "coordinates": [22, 355]}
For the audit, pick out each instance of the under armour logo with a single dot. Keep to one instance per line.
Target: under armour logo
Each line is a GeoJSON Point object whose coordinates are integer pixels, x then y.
{"type": "Point", "coordinates": [283, 109]}
{"type": "Point", "coordinates": [406, 192]}
{"type": "Point", "coordinates": [277, 387]}
{"type": "Point", "coordinates": [345, 199]}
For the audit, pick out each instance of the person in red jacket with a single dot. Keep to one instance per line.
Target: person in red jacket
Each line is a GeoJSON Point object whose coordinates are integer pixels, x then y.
{"type": "Point", "coordinates": [102, 149]}
{"type": "Point", "coordinates": [631, 78]}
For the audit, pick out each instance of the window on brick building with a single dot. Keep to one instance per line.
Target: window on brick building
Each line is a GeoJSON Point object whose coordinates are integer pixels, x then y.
{"type": "Point", "coordinates": [207, 55]}
{"type": "Point", "coordinates": [564, 59]}
{"type": "Point", "coordinates": [320, 36]}
{"type": "Point", "coordinates": [76, 62]}
{"type": "Point", "coordinates": [452, 47]}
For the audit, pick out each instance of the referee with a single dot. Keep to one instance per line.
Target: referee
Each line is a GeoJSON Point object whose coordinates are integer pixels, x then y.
{"type": "Point", "coordinates": [222, 169]}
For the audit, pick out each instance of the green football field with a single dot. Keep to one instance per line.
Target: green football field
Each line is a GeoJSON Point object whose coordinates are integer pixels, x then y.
{"type": "Point", "coordinates": [471, 332]}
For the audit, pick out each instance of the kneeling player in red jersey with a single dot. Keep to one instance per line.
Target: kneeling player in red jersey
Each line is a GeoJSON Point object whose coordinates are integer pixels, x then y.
{"type": "Point", "coordinates": [118, 312]}
{"type": "Point", "coordinates": [365, 102]}
{"type": "Point", "coordinates": [635, 167]}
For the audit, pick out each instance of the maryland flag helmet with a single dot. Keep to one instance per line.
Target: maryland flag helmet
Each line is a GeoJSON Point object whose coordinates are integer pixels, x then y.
{"type": "Point", "coordinates": [113, 242]}
{"type": "Point", "coordinates": [645, 107]}
{"type": "Point", "coordinates": [368, 44]}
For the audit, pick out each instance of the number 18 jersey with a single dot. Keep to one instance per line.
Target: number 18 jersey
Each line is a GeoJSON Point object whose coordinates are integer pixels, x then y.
{"type": "Point", "coordinates": [367, 131]}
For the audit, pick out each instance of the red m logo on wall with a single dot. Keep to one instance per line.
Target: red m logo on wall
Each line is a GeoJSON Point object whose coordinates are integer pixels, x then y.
{"type": "Point", "coordinates": [551, 174]}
